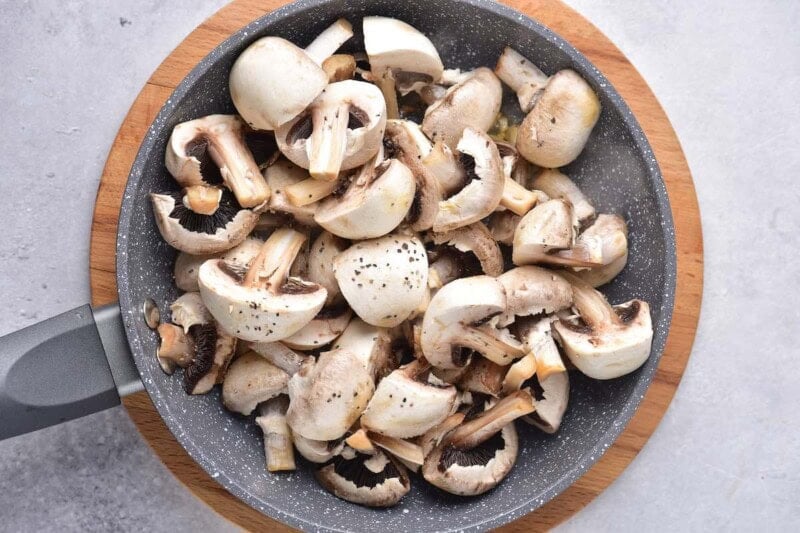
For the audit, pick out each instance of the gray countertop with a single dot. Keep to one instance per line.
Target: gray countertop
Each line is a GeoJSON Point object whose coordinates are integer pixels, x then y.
{"type": "Point", "coordinates": [725, 456]}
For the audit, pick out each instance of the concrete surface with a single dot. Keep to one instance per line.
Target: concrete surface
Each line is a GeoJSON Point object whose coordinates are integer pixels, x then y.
{"type": "Point", "coordinates": [728, 75]}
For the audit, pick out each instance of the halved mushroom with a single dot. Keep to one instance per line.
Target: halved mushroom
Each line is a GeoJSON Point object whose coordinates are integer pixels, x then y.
{"type": "Point", "coordinates": [280, 355]}
{"type": "Point", "coordinates": [561, 110]}
{"type": "Point", "coordinates": [605, 342]}
{"type": "Point", "coordinates": [456, 320]}
{"type": "Point", "coordinates": [283, 174]}
{"type": "Point", "coordinates": [250, 380]}
{"type": "Point", "coordinates": [558, 185]}
{"type": "Point", "coordinates": [278, 448]}
{"type": "Point", "coordinates": [612, 233]}
{"type": "Point", "coordinates": [328, 396]}
{"type": "Point", "coordinates": [328, 324]}
{"type": "Point", "coordinates": [341, 129]}
{"type": "Point", "coordinates": [444, 164]}
{"type": "Point", "coordinates": [222, 138]}
{"type": "Point", "coordinates": [472, 103]}
{"type": "Point", "coordinates": [406, 405]}
{"type": "Point", "coordinates": [374, 480]}
{"type": "Point", "coordinates": [477, 239]}
{"type": "Point", "coordinates": [187, 266]}
{"type": "Point", "coordinates": [533, 290]}
{"type": "Point", "coordinates": [213, 351]}
{"type": "Point", "coordinates": [374, 204]}
{"type": "Point", "coordinates": [484, 189]}
{"type": "Point", "coordinates": [273, 80]}
{"type": "Point", "coordinates": [261, 303]}
{"type": "Point", "coordinates": [198, 234]}
{"type": "Point", "coordinates": [384, 280]}
{"type": "Point", "coordinates": [371, 345]}
{"type": "Point", "coordinates": [480, 452]}
{"type": "Point", "coordinates": [323, 251]}
{"type": "Point", "coordinates": [547, 235]}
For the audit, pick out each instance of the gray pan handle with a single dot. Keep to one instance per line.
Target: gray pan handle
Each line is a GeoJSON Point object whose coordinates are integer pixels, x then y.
{"type": "Point", "coordinates": [68, 366]}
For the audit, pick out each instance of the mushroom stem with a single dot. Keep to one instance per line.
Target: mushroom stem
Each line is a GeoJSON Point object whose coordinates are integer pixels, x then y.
{"type": "Point", "coordinates": [339, 67]}
{"type": "Point", "coordinates": [275, 258]}
{"type": "Point", "coordinates": [237, 166]}
{"type": "Point", "coordinates": [327, 42]}
{"type": "Point", "coordinates": [590, 303]}
{"type": "Point", "coordinates": [360, 442]}
{"type": "Point", "coordinates": [328, 140]}
{"type": "Point", "coordinates": [309, 191]}
{"type": "Point", "coordinates": [519, 372]}
{"type": "Point", "coordinates": [388, 87]}
{"type": "Point", "coordinates": [517, 198]}
{"type": "Point", "coordinates": [402, 449]}
{"type": "Point", "coordinates": [278, 446]}
{"type": "Point", "coordinates": [174, 345]}
{"type": "Point", "coordinates": [521, 75]}
{"type": "Point", "coordinates": [280, 355]}
{"type": "Point", "coordinates": [491, 344]}
{"type": "Point", "coordinates": [489, 422]}
{"type": "Point", "coordinates": [201, 199]}
{"type": "Point", "coordinates": [433, 437]}
{"type": "Point", "coordinates": [442, 271]}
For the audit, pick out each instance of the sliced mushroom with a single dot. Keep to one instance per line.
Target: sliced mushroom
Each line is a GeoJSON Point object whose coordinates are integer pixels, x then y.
{"type": "Point", "coordinates": [547, 235]}
{"type": "Point", "coordinates": [273, 80]}
{"type": "Point", "coordinates": [198, 234]}
{"type": "Point", "coordinates": [519, 372]}
{"type": "Point", "coordinates": [476, 430]}
{"type": "Point", "coordinates": [558, 185]}
{"type": "Point", "coordinates": [384, 280]}
{"type": "Point", "coordinates": [213, 351]}
{"type": "Point", "coordinates": [455, 321]}
{"type": "Point", "coordinates": [280, 355]}
{"type": "Point", "coordinates": [612, 232]}
{"type": "Point", "coordinates": [328, 396]}
{"type": "Point", "coordinates": [371, 345]}
{"type": "Point", "coordinates": [374, 204]}
{"type": "Point", "coordinates": [472, 103]}
{"type": "Point", "coordinates": [261, 304]}
{"type": "Point", "coordinates": [475, 238]}
{"type": "Point", "coordinates": [406, 405]}
{"type": "Point", "coordinates": [408, 453]}
{"type": "Point", "coordinates": [341, 129]}
{"type": "Point", "coordinates": [222, 137]}
{"type": "Point", "coordinates": [538, 338]}
{"type": "Point", "coordinates": [484, 189]}
{"type": "Point", "coordinates": [281, 175]}
{"type": "Point", "coordinates": [398, 47]}
{"type": "Point", "coordinates": [516, 196]}
{"type": "Point", "coordinates": [278, 448]}
{"type": "Point", "coordinates": [483, 376]}
{"type": "Point", "coordinates": [605, 342]}
{"type": "Point", "coordinates": [187, 266]}
{"type": "Point", "coordinates": [323, 252]}
{"type": "Point", "coordinates": [561, 111]}
{"type": "Point", "coordinates": [311, 191]}
{"type": "Point", "coordinates": [444, 164]}
{"type": "Point", "coordinates": [329, 323]}
{"type": "Point", "coordinates": [374, 480]}
{"type": "Point", "coordinates": [434, 436]}
{"type": "Point", "coordinates": [250, 380]}
{"type": "Point", "coordinates": [533, 290]}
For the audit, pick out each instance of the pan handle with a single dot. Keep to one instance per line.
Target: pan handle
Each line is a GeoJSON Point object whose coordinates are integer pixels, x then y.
{"type": "Point", "coordinates": [68, 366]}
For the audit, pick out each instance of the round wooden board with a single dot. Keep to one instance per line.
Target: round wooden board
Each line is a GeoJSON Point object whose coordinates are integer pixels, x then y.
{"type": "Point", "coordinates": [591, 42]}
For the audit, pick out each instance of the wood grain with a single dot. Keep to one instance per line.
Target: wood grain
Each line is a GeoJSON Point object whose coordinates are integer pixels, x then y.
{"type": "Point", "coordinates": [584, 36]}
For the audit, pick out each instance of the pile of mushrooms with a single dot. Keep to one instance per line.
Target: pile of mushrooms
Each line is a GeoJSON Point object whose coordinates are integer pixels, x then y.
{"type": "Point", "coordinates": [384, 271]}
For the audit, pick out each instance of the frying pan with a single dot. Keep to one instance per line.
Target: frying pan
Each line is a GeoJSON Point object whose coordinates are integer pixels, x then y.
{"type": "Point", "coordinates": [83, 360]}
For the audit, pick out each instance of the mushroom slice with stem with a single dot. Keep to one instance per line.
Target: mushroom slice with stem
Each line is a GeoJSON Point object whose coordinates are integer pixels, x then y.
{"type": "Point", "coordinates": [374, 480]}
{"type": "Point", "coordinates": [605, 342]}
{"type": "Point", "coordinates": [189, 310]}
{"type": "Point", "coordinates": [480, 452]}
{"type": "Point", "coordinates": [187, 266]}
{"type": "Point", "coordinates": [250, 380]}
{"type": "Point", "coordinates": [222, 139]}
{"type": "Point", "coordinates": [329, 395]}
{"type": "Point", "coordinates": [341, 129]}
{"type": "Point", "coordinates": [434, 436]}
{"type": "Point", "coordinates": [198, 234]}
{"type": "Point", "coordinates": [328, 324]}
{"type": "Point", "coordinates": [283, 174]}
{"type": "Point", "coordinates": [374, 204]}
{"type": "Point", "coordinates": [547, 235]}
{"type": "Point", "coordinates": [406, 405]}
{"type": "Point", "coordinates": [612, 232]}
{"type": "Point", "coordinates": [532, 290]}
{"type": "Point", "coordinates": [561, 110]}
{"type": "Point", "coordinates": [405, 141]}
{"type": "Point", "coordinates": [475, 238]}
{"type": "Point", "coordinates": [483, 376]}
{"type": "Point", "coordinates": [384, 280]}
{"type": "Point", "coordinates": [558, 185]}
{"type": "Point", "coordinates": [273, 80]}
{"type": "Point", "coordinates": [310, 191]}
{"type": "Point", "coordinates": [261, 304]}
{"type": "Point", "coordinates": [323, 252]}
{"type": "Point", "coordinates": [484, 189]}
{"type": "Point", "coordinates": [454, 324]}
{"type": "Point", "coordinates": [408, 453]}
{"type": "Point", "coordinates": [371, 345]}
{"type": "Point", "coordinates": [473, 103]}
{"type": "Point", "coordinates": [444, 164]}
{"type": "Point", "coordinates": [278, 447]}
{"type": "Point", "coordinates": [280, 355]}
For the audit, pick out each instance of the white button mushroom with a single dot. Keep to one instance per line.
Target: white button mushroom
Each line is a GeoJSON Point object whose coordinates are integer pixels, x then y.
{"type": "Point", "coordinates": [372, 345]}
{"type": "Point", "coordinates": [612, 232]}
{"type": "Point", "coordinates": [250, 380]}
{"type": "Point", "coordinates": [273, 80]}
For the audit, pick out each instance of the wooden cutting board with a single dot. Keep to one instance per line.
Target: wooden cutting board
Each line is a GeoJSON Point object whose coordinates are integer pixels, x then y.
{"type": "Point", "coordinates": [586, 38]}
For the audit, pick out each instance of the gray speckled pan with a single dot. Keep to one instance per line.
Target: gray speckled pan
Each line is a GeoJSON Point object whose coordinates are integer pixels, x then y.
{"type": "Point", "coordinates": [617, 171]}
